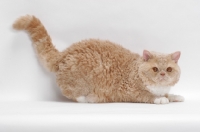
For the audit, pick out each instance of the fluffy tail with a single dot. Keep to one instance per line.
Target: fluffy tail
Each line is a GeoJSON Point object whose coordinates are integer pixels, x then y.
{"type": "Point", "coordinates": [41, 40]}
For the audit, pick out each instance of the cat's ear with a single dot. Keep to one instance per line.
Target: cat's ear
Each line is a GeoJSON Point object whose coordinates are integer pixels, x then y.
{"type": "Point", "coordinates": [146, 55]}
{"type": "Point", "coordinates": [175, 56]}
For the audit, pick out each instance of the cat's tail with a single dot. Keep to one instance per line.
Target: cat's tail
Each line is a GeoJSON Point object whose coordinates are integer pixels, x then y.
{"type": "Point", "coordinates": [41, 40]}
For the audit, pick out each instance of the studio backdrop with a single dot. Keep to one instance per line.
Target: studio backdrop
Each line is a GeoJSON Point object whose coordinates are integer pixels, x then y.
{"type": "Point", "coordinates": [157, 25]}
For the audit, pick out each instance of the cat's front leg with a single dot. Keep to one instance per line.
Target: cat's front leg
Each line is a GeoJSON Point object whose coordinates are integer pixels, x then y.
{"type": "Point", "coordinates": [161, 100]}
{"type": "Point", "coordinates": [175, 98]}
{"type": "Point", "coordinates": [144, 96]}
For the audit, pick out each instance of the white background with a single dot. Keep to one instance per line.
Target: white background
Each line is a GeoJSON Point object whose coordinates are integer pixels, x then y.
{"type": "Point", "coordinates": [156, 25]}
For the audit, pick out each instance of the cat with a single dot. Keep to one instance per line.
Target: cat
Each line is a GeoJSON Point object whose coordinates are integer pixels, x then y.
{"type": "Point", "coordinates": [99, 71]}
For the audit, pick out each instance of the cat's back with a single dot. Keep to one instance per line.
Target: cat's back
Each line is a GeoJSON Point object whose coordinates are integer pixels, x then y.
{"type": "Point", "coordinates": [104, 48]}
{"type": "Point", "coordinates": [94, 53]}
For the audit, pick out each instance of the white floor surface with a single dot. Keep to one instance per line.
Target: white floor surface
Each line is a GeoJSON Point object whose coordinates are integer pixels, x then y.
{"type": "Point", "coordinates": [111, 117]}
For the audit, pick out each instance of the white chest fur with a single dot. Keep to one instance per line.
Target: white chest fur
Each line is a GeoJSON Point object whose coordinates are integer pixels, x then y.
{"type": "Point", "coordinates": [159, 91]}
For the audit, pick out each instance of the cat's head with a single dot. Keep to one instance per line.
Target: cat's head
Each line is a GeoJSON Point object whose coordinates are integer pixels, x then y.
{"type": "Point", "coordinates": [159, 69]}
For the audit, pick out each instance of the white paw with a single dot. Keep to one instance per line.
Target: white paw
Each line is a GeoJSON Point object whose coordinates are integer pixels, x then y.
{"type": "Point", "coordinates": [81, 99]}
{"type": "Point", "coordinates": [161, 100]}
{"type": "Point", "coordinates": [175, 98]}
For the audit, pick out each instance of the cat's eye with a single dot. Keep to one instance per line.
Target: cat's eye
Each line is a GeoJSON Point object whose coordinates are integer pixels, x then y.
{"type": "Point", "coordinates": [155, 69]}
{"type": "Point", "coordinates": [169, 69]}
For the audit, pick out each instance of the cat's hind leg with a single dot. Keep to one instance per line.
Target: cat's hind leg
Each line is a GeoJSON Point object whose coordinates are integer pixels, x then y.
{"type": "Point", "coordinates": [91, 98]}
{"type": "Point", "coordinates": [81, 99]}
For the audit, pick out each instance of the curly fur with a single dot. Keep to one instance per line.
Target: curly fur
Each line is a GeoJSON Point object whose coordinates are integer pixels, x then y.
{"type": "Point", "coordinates": [97, 71]}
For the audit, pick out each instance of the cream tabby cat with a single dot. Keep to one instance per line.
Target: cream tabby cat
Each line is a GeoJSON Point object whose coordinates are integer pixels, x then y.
{"type": "Point", "coordinates": [96, 71]}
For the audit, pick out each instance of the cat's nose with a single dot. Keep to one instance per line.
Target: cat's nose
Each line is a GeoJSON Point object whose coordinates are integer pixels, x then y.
{"type": "Point", "coordinates": [162, 74]}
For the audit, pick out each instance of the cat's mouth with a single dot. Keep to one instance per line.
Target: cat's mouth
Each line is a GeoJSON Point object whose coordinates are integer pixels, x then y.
{"type": "Point", "coordinates": [162, 79]}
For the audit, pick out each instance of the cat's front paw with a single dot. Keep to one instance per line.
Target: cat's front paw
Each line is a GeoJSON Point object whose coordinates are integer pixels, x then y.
{"type": "Point", "coordinates": [161, 100]}
{"type": "Point", "coordinates": [175, 98]}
